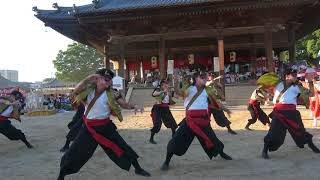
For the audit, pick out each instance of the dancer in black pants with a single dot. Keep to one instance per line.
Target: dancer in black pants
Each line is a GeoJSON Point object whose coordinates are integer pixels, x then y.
{"type": "Point", "coordinates": [74, 127]}
{"type": "Point", "coordinates": [258, 96]}
{"type": "Point", "coordinates": [160, 112]}
{"type": "Point", "coordinates": [196, 123]}
{"type": "Point", "coordinates": [9, 108]}
{"type": "Point", "coordinates": [217, 111]}
{"type": "Point", "coordinates": [100, 101]}
{"type": "Point", "coordinates": [285, 116]}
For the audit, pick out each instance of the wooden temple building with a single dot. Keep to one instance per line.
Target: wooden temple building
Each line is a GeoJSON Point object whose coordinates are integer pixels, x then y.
{"type": "Point", "coordinates": [246, 34]}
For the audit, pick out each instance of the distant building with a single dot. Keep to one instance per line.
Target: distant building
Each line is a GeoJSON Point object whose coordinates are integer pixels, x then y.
{"type": "Point", "coordinates": [11, 75]}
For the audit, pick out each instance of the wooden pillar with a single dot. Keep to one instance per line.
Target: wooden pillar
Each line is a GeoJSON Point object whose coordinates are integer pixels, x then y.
{"type": "Point", "coordinates": [106, 60]}
{"type": "Point", "coordinates": [221, 62]}
{"type": "Point", "coordinates": [253, 55]}
{"type": "Point", "coordinates": [139, 71]}
{"type": "Point", "coordinates": [122, 60]}
{"type": "Point", "coordinates": [292, 43]}
{"type": "Point", "coordinates": [127, 72]}
{"type": "Point", "coordinates": [162, 57]}
{"type": "Point", "coordinates": [268, 46]}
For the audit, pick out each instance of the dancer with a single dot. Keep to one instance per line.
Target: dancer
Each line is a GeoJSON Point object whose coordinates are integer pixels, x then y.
{"type": "Point", "coordinates": [9, 109]}
{"type": "Point", "coordinates": [258, 96]}
{"type": "Point", "coordinates": [74, 126]}
{"type": "Point", "coordinates": [196, 123]}
{"type": "Point", "coordinates": [160, 112]}
{"type": "Point", "coordinates": [101, 101]}
{"type": "Point", "coordinates": [218, 112]}
{"type": "Point", "coordinates": [285, 116]}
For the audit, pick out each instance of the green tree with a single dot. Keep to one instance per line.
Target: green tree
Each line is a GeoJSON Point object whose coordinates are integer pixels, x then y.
{"type": "Point", "coordinates": [77, 62]}
{"type": "Point", "coordinates": [308, 47]}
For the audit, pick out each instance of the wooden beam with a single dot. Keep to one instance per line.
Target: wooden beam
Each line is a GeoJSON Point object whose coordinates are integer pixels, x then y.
{"type": "Point", "coordinates": [162, 57]}
{"type": "Point", "coordinates": [268, 46]}
{"type": "Point", "coordinates": [192, 34]}
{"type": "Point", "coordinates": [106, 59]}
{"type": "Point", "coordinates": [221, 62]}
{"type": "Point", "coordinates": [122, 59]}
{"type": "Point", "coordinates": [292, 43]}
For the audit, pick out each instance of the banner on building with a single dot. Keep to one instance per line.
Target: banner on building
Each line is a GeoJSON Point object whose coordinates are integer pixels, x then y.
{"type": "Point", "coordinates": [216, 64]}
{"type": "Point", "coordinates": [154, 62]}
{"type": "Point", "coordinates": [191, 58]}
{"type": "Point", "coordinates": [170, 67]}
{"type": "Point", "coordinates": [233, 56]}
{"type": "Point", "coordinates": [118, 83]}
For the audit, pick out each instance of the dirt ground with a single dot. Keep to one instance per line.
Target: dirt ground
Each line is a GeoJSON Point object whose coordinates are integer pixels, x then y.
{"type": "Point", "coordinates": [47, 134]}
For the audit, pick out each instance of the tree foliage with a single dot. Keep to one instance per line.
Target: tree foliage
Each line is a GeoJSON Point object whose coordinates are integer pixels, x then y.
{"type": "Point", "coordinates": [307, 48]}
{"type": "Point", "coordinates": [77, 62]}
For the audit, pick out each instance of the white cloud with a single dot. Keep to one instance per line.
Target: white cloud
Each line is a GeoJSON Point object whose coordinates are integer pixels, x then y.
{"type": "Point", "coordinates": [26, 44]}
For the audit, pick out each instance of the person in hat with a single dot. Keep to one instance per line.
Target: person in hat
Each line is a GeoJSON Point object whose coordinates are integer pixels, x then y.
{"type": "Point", "coordinates": [258, 96]}
{"type": "Point", "coordinates": [196, 123]}
{"type": "Point", "coordinates": [314, 100]}
{"type": "Point", "coordinates": [218, 111]}
{"type": "Point", "coordinates": [285, 116]}
{"type": "Point", "coordinates": [74, 126]}
{"type": "Point", "coordinates": [9, 109]}
{"type": "Point", "coordinates": [160, 112]}
{"type": "Point", "coordinates": [100, 102]}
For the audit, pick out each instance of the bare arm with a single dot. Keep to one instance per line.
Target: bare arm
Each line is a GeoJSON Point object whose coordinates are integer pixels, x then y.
{"type": "Point", "coordinates": [157, 93]}
{"type": "Point", "coordinates": [83, 84]}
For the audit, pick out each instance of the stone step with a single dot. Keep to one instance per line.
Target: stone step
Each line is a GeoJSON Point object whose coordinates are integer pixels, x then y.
{"type": "Point", "coordinates": [235, 95]}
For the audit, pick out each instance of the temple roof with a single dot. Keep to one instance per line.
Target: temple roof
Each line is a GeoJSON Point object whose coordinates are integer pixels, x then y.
{"type": "Point", "coordinates": [111, 6]}
{"type": "Point", "coordinates": [89, 23]}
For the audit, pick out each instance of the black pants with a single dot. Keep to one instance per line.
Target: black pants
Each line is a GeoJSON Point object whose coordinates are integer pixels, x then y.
{"type": "Point", "coordinates": [85, 145]}
{"type": "Point", "coordinates": [162, 115]}
{"type": "Point", "coordinates": [262, 116]}
{"type": "Point", "coordinates": [75, 124]}
{"type": "Point", "coordinates": [220, 117]}
{"type": "Point", "coordinates": [278, 130]}
{"type": "Point", "coordinates": [184, 136]}
{"type": "Point", "coordinates": [12, 133]}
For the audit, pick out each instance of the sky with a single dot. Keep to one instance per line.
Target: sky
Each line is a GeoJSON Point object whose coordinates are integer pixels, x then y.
{"type": "Point", "coordinates": [26, 44]}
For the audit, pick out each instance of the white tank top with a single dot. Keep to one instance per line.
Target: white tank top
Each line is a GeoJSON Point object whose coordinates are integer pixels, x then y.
{"type": "Point", "coordinates": [166, 99]}
{"type": "Point", "coordinates": [288, 97]}
{"type": "Point", "coordinates": [200, 103]}
{"type": "Point", "coordinates": [101, 108]}
{"type": "Point", "coordinates": [7, 112]}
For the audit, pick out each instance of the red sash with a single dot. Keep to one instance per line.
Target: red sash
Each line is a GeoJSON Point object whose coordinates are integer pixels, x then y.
{"type": "Point", "coordinates": [197, 118]}
{"type": "Point", "coordinates": [163, 105]}
{"type": "Point", "coordinates": [3, 118]}
{"type": "Point", "coordinates": [254, 104]}
{"type": "Point", "coordinates": [99, 138]}
{"type": "Point", "coordinates": [288, 123]}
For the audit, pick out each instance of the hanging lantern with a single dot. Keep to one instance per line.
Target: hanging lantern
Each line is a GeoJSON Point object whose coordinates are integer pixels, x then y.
{"type": "Point", "coordinates": [154, 62]}
{"type": "Point", "coordinates": [191, 58]}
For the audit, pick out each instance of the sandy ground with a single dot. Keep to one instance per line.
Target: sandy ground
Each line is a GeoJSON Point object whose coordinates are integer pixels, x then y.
{"type": "Point", "coordinates": [47, 134]}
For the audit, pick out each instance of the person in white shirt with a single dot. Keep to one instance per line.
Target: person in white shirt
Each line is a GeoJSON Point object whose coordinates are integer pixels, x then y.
{"type": "Point", "coordinates": [258, 96]}
{"type": "Point", "coordinates": [100, 102]}
{"type": "Point", "coordinates": [286, 117]}
{"type": "Point", "coordinates": [160, 112]}
{"type": "Point", "coordinates": [9, 109]}
{"type": "Point", "coordinates": [196, 123]}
